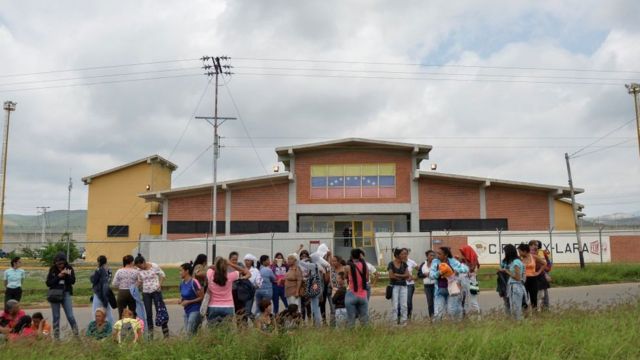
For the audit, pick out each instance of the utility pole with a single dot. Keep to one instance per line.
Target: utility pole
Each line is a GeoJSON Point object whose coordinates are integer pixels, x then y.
{"type": "Point", "coordinates": [634, 89]}
{"type": "Point", "coordinates": [68, 213]}
{"type": "Point", "coordinates": [9, 106]}
{"type": "Point", "coordinates": [209, 63]}
{"type": "Point", "coordinates": [575, 212]}
{"type": "Point", "coordinates": [43, 210]}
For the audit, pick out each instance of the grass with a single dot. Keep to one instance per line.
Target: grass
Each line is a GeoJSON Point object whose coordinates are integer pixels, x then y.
{"type": "Point", "coordinates": [606, 333]}
{"type": "Point", "coordinates": [571, 275]}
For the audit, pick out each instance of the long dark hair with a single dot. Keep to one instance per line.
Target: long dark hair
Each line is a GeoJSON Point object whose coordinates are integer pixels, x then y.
{"type": "Point", "coordinates": [447, 251]}
{"type": "Point", "coordinates": [524, 247]}
{"type": "Point", "coordinates": [510, 254]}
{"type": "Point", "coordinates": [58, 258]}
{"type": "Point", "coordinates": [220, 276]}
{"type": "Point", "coordinates": [356, 257]}
{"type": "Point", "coordinates": [188, 267]}
{"type": "Point", "coordinates": [102, 260]}
{"type": "Point", "coordinates": [126, 260]}
{"type": "Point", "coordinates": [201, 259]}
{"type": "Point", "coordinates": [23, 322]}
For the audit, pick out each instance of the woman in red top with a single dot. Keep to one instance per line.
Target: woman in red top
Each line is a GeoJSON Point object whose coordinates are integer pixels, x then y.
{"type": "Point", "coordinates": [356, 299]}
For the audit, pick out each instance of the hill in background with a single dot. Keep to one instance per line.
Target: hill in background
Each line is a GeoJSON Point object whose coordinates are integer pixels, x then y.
{"type": "Point", "coordinates": [56, 222]}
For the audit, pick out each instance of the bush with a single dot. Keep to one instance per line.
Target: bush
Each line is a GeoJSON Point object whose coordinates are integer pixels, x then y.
{"type": "Point", "coordinates": [54, 248]}
{"type": "Point", "coordinates": [27, 252]}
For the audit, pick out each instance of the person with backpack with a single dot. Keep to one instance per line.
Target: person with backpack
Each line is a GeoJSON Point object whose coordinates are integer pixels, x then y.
{"type": "Point", "coordinates": [101, 291]}
{"type": "Point", "coordinates": [356, 300]}
{"type": "Point", "coordinates": [513, 267]}
{"type": "Point", "coordinates": [544, 279]}
{"type": "Point", "coordinates": [445, 269]}
{"type": "Point", "coordinates": [315, 266]}
{"type": "Point", "coordinates": [398, 276]}
{"type": "Point", "coordinates": [127, 329]}
{"type": "Point", "coordinates": [428, 282]}
{"type": "Point", "coordinates": [191, 295]}
{"type": "Point", "coordinates": [220, 280]}
{"type": "Point", "coordinates": [265, 291]}
{"type": "Point", "coordinates": [150, 278]}
{"type": "Point", "coordinates": [60, 282]}
{"type": "Point", "coordinates": [469, 281]}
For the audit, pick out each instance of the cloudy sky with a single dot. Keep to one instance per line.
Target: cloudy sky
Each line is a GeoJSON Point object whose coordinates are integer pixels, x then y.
{"type": "Point", "coordinates": [500, 89]}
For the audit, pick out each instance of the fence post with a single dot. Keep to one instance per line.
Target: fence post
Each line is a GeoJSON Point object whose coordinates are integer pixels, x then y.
{"type": "Point", "coordinates": [391, 241]}
{"type": "Point", "coordinates": [600, 240]}
{"type": "Point", "coordinates": [499, 245]}
{"type": "Point", "coordinates": [551, 228]}
{"type": "Point", "coordinates": [206, 247]}
{"type": "Point", "coordinates": [430, 240]}
{"type": "Point", "coordinates": [272, 235]}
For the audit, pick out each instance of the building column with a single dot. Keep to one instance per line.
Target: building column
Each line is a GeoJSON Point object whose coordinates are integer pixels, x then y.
{"type": "Point", "coordinates": [483, 202]}
{"type": "Point", "coordinates": [165, 218]}
{"type": "Point", "coordinates": [227, 212]}
{"type": "Point", "coordinates": [552, 211]}
{"type": "Point", "coordinates": [293, 214]}
{"type": "Point", "coordinates": [415, 195]}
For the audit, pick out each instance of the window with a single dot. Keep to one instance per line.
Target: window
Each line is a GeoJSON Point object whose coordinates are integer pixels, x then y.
{"type": "Point", "coordinates": [254, 227]}
{"type": "Point", "coordinates": [353, 181]}
{"type": "Point", "coordinates": [194, 227]}
{"type": "Point", "coordinates": [464, 224]}
{"type": "Point", "coordinates": [117, 230]}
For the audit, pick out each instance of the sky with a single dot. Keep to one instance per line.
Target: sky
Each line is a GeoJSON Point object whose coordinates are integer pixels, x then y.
{"type": "Point", "coordinates": [501, 89]}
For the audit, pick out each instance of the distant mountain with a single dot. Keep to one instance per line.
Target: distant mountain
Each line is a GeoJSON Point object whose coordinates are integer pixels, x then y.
{"type": "Point", "coordinates": [56, 221]}
{"type": "Point", "coordinates": [625, 220]}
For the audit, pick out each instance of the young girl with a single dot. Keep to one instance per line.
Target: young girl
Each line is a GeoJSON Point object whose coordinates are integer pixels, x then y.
{"type": "Point", "coordinates": [339, 300]}
{"type": "Point", "coordinates": [127, 328]}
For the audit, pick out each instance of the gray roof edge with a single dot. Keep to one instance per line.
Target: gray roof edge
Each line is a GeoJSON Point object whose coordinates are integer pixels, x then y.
{"type": "Point", "coordinates": [320, 144]}
{"type": "Point", "coordinates": [171, 165]}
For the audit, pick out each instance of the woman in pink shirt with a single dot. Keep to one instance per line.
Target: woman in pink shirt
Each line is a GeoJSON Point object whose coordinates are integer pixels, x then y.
{"type": "Point", "coordinates": [356, 300]}
{"type": "Point", "coordinates": [220, 281]}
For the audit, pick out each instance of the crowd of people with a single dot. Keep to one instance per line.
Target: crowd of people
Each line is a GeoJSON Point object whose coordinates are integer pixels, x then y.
{"type": "Point", "coordinates": [249, 293]}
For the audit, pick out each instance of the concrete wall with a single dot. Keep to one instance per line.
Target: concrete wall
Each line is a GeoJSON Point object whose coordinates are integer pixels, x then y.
{"type": "Point", "coordinates": [17, 241]}
{"type": "Point", "coordinates": [419, 243]}
{"type": "Point", "coordinates": [564, 216]}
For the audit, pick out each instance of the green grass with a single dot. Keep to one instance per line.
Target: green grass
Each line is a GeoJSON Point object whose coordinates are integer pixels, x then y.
{"type": "Point", "coordinates": [607, 333]}
{"type": "Point", "coordinates": [35, 289]}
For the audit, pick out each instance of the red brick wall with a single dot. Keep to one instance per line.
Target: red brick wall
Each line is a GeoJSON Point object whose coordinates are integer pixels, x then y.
{"type": "Point", "coordinates": [402, 160]}
{"type": "Point", "coordinates": [270, 202]}
{"type": "Point", "coordinates": [196, 208]}
{"type": "Point", "coordinates": [524, 209]}
{"type": "Point", "coordinates": [454, 242]}
{"type": "Point", "coordinates": [448, 200]}
{"type": "Point", "coordinates": [625, 248]}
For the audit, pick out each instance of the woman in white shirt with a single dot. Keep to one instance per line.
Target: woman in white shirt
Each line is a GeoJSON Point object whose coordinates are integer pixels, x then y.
{"type": "Point", "coordinates": [429, 283]}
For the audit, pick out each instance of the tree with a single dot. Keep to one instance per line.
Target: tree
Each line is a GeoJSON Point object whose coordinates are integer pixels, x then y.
{"type": "Point", "coordinates": [54, 248]}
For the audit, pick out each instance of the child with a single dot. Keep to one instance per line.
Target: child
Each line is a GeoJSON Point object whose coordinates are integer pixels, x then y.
{"type": "Point", "coordinates": [338, 300]}
{"type": "Point", "coordinates": [127, 328]}
{"type": "Point", "coordinates": [289, 319]}
{"type": "Point", "coordinates": [40, 326]}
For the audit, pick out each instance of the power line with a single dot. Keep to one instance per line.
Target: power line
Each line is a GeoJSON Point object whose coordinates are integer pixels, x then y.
{"type": "Point", "coordinates": [98, 67]}
{"type": "Point", "coordinates": [193, 162]}
{"type": "Point", "coordinates": [436, 65]}
{"type": "Point", "coordinates": [602, 149]}
{"type": "Point", "coordinates": [193, 114]}
{"type": "Point", "coordinates": [602, 137]}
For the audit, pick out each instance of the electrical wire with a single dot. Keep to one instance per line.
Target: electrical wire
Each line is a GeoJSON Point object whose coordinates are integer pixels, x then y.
{"type": "Point", "coordinates": [601, 149]}
{"type": "Point", "coordinates": [601, 138]}
{"type": "Point", "coordinates": [193, 162]}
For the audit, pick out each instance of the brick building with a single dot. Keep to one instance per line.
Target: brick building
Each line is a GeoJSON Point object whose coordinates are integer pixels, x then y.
{"type": "Point", "coordinates": [354, 188]}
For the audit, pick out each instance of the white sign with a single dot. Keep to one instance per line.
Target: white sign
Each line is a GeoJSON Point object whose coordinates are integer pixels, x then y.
{"type": "Point", "coordinates": [563, 247]}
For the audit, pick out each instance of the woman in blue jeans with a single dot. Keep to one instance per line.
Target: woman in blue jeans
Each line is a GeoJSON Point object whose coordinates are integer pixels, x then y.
{"type": "Point", "coordinates": [445, 302]}
{"type": "Point", "coordinates": [398, 276]}
{"type": "Point", "coordinates": [356, 300]}
{"type": "Point", "coordinates": [279, 268]}
{"type": "Point", "coordinates": [62, 276]}
{"type": "Point", "coordinates": [265, 291]}
{"type": "Point", "coordinates": [191, 295]}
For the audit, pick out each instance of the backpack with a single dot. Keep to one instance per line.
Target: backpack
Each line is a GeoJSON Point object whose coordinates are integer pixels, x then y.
{"type": "Point", "coordinates": [244, 290]}
{"type": "Point", "coordinates": [162, 315]}
{"type": "Point", "coordinates": [127, 334]}
{"type": "Point", "coordinates": [314, 287]}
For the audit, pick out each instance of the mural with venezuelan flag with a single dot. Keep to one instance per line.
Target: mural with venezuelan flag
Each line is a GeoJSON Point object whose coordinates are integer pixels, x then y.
{"type": "Point", "coordinates": [353, 181]}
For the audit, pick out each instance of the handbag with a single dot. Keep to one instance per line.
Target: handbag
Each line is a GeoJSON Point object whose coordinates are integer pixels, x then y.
{"type": "Point", "coordinates": [162, 315]}
{"type": "Point", "coordinates": [388, 292]}
{"type": "Point", "coordinates": [55, 295]}
{"type": "Point", "coordinates": [453, 287]}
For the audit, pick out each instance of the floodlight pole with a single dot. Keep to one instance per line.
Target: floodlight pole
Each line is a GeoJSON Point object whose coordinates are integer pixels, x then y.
{"type": "Point", "coordinates": [575, 211]}
{"type": "Point", "coordinates": [9, 106]}
{"type": "Point", "coordinates": [634, 89]}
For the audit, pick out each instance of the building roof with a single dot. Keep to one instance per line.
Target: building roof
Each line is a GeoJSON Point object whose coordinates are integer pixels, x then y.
{"type": "Point", "coordinates": [421, 151]}
{"type": "Point", "coordinates": [278, 178]}
{"type": "Point", "coordinates": [559, 191]}
{"type": "Point", "coordinates": [149, 159]}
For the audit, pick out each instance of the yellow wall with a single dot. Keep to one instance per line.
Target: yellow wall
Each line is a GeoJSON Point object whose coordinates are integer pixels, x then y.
{"type": "Point", "coordinates": [564, 216]}
{"type": "Point", "coordinates": [113, 200]}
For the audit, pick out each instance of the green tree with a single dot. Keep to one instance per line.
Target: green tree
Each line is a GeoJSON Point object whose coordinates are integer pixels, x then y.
{"type": "Point", "coordinates": [54, 248]}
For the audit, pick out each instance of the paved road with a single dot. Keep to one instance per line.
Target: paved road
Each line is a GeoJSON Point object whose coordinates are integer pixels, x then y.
{"type": "Point", "coordinates": [582, 296]}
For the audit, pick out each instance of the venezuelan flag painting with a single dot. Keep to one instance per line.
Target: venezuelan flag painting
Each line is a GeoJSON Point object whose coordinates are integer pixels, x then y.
{"type": "Point", "coordinates": [353, 181]}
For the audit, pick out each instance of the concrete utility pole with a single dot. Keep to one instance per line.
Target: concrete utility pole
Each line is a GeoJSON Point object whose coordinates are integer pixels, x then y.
{"type": "Point", "coordinates": [210, 62]}
{"type": "Point", "coordinates": [9, 106]}
{"type": "Point", "coordinates": [575, 211]}
{"type": "Point", "coordinates": [634, 89]}
{"type": "Point", "coordinates": [43, 211]}
{"type": "Point", "coordinates": [68, 213]}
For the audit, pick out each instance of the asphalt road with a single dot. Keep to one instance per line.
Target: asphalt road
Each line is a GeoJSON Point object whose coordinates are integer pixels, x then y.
{"type": "Point", "coordinates": [583, 297]}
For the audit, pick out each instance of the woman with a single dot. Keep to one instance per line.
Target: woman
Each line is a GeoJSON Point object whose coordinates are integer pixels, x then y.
{"type": "Point", "coordinates": [151, 277]}
{"type": "Point", "coordinates": [265, 291]}
{"type": "Point", "coordinates": [219, 281]}
{"type": "Point", "coordinates": [62, 277]}
{"type": "Point", "coordinates": [533, 267]}
{"type": "Point", "coordinates": [446, 275]}
{"type": "Point", "coordinates": [293, 280]}
{"type": "Point", "coordinates": [100, 328]}
{"type": "Point", "coordinates": [512, 266]}
{"type": "Point", "coordinates": [469, 281]}
{"type": "Point", "coordinates": [124, 279]}
{"type": "Point", "coordinates": [40, 326]}
{"type": "Point", "coordinates": [255, 279]}
{"type": "Point", "coordinates": [305, 301]}
{"type": "Point", "coordinates": [200, 268]}
{"type": "Point", "coordinates": [265, 322]}
{"type": "Point", "coordinates": [356, 300]}
{"type": "Point", "coordinates": [13, 278]}
{"type": "Point", "coordinates": [336, 266]}
{"type": "Point", "coordinates": [315, 267]}
{"type": "Point", "coordinates": [191, 295]}
{"type": "Point", "coordinates": [101, 291]}
{"type": "Point", "coordinates": [398, 276]}
{"type": "Point", "coordinates": [22, 330]}
{"type": "Point", "coordinates": [279, 268]}
{"type": "Point", "coordinates": [429, 283]}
